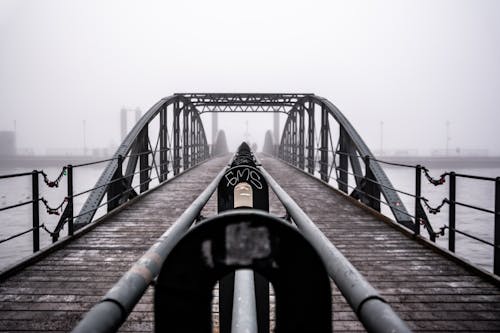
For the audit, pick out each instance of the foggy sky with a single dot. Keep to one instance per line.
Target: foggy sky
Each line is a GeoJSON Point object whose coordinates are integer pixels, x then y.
{"type": "Point", "coordinates": [412, 64]}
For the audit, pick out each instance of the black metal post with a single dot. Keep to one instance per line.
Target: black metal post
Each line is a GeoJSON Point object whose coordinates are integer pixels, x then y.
{"type": "Point", "coordinates": [496, 253]}
{"type": "Point", "coordinates": [324, 144]}
{"type": "Point", "coordinates": [294, 139]}
{"type": "Point", "coordinates": [36, 214]}
{"type": "Point", "coordinates": [116, 187]}
{"type": "Point", "coordinates": [69, 199]}
{"type": "Point", "coordinates": [301, 137]}
{"type": "Point", "coordinates": [163, 145]}
{"type": "Point", "coordinates": [144, 160]}
{"type": "Point", "coordinates": [343, 181]}
{"type": "Point", "coordinates": [451, 213]}
{"type": "Point", "coordinates": [185, 138]}
{"type": "Point", "coordinates": [176, 134]}
{"type": "Point", "coordinates": [310, 140]}
{"type": "Point", "coordinates": [418, 196]}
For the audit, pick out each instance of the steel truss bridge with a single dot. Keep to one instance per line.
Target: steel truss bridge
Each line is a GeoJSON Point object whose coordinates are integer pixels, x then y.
{"type": "Point", "coordinates": [140, 218]}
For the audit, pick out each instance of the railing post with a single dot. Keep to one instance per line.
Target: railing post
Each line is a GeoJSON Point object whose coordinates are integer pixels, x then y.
{"type": "Point", "coordinates": [69, 169]}
{"type": "Point", "coordinates": [451, 213]}
{"type": "Point", "coordinates": [496, 253]}
{"type": "Point", "coordinates": [418, 196]}
{"type": "Point", "coordinates": [36, 214]}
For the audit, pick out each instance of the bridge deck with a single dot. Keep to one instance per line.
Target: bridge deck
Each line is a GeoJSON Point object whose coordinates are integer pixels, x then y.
{"type": "Point", "coordinates": [429, 291]}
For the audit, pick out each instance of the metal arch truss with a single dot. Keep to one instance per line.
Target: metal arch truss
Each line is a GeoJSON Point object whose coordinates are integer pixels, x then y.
{"type": "Point", "coordinates": [309, 142]}
{"type": "Point", "coordinates": [178, 143]}
{"type": "Point", "coordinates": [244, 102]}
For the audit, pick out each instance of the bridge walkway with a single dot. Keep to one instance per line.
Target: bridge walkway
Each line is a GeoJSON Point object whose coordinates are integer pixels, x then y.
{"type": "Point", "coordinates": [426, 289]}
{"type": "Point", "coordinates": [429, 291]}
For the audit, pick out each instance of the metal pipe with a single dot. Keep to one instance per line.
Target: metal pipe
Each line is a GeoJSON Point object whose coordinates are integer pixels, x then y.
{"type": "Point", "coordinates": [112, 311]}
{"type": "Point", "coordinates": [371, 309]}
{"type": "Point", "coordinates": [244, 319]}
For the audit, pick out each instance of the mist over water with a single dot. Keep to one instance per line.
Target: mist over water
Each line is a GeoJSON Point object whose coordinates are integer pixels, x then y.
{"type": "Point", "coordinates": [415, 65]}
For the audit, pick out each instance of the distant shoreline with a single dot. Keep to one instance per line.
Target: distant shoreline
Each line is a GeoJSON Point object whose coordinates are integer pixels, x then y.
{"type": "Point", "coordinates": [447, 162]}
{"type": "Point", "coordinates": [32, 162]}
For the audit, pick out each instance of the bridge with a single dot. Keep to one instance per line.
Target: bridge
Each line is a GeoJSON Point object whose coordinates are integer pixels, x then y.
{"type": "Point", "coordinates": [318, 187]}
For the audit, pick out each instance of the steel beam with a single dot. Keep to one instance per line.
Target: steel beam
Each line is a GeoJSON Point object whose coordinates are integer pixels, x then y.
{"type": "Point", "coordinates": [324, 143]}
{"type": "Point", "coordinates": [344, 148]}
{"type": "Point", "coordinates": [310, 140]}
{"type": "Point", "coordinates": [301, 136]}
{"type": "Point", "coordinates": [176, 133]}
{"type": "Point", "coordinates": [163, 144]}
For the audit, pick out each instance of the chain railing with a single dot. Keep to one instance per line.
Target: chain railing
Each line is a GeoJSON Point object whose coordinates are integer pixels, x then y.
{"type": "Point", "coordinates": [65, 210]}
{"type": "Point", "coordinates": [420, 217]}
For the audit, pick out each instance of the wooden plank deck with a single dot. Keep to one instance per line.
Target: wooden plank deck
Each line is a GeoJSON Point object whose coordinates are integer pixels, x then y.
{"type": "Point", "coordinates": [429, 291]}
{"type": "Point", "coordinates": [53, 294]}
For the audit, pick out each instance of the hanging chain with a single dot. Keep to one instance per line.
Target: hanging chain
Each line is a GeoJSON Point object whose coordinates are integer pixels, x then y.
{"type": "Point", "coordinates": [53, 211]}
{"type": "Point", "coordinates": [435, 182]}
{"type": "Point", "coordinates": [434, 210]}
{"type": "Point", "coordinates": [54, 183]}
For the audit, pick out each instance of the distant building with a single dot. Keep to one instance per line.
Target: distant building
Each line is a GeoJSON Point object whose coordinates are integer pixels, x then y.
{"type": "Point", "coordinates": [7, 143]}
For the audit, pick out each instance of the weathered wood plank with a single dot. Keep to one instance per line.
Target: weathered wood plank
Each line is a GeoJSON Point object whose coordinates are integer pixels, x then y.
{"type": "Point", "coordinates": [429, 291]}
{"type": "Point", "coordinates": [53, 294]}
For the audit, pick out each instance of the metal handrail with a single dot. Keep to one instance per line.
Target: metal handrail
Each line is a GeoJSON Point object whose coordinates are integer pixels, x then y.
{"type": "Point", "coordinates": [372, 310]}
{"type": "Point", "coordinates": [112, 311]}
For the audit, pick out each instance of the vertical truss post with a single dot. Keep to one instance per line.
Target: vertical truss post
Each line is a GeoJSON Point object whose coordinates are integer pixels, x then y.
{"type": "Point", "coordinates": [196, 143]}
{"type": "Point", "coordinates": [163, 145]}
{"type": "Point", "coordinates": [301, 137]}
{"type": "Point", "coordinates": [116, 187]}
{"type": "Point", "coordinates": [192, 145]}
{"type": "Point", "coordinates": [144, 167]}
{"type": "Point", "coordinates": [185, 138]}
{"type": "Point", "coordinates": [344, 148]}
{"type": "Point", "coordinates": [310, 139]}
{"type": "Point", "coordinates": [177, 128]}
{"type": "Point", "coordinates": [372, 190]}
{"type": "Point", "coordinates": [294, 138]}
{"type": "Point", "coordinates": [324, 143]}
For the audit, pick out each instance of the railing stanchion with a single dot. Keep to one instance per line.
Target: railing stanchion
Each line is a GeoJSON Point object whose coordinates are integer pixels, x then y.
{"type": "Point", "coordinates": [36, 213]}
{"type": "Point", "coordinates": [69, 169]}
{"type": "Point", "coordinates": [496, 253]}
{"type": "Point", "coordinates": [452, 215]}
{"type": "Point", "coordinates": [418, 195]}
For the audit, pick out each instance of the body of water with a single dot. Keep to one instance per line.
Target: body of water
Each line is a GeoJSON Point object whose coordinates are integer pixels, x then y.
{"type": "Point", "coordinates": [474, 192]}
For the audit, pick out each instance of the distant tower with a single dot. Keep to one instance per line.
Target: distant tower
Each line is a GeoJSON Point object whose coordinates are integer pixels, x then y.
{"type": "Point", "coordinates": [381, 138]}
{"type": "Point", "coordinates": [215, 126]}
{"type": "Point", "coordinates": [276, 128]}
{"type": "Point", "coordinates": [448, 137]}
{"type": "Point", "coordinates": [123, 123]}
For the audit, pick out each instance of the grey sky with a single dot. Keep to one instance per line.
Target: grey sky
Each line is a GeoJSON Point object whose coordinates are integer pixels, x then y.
{"type": "Point", "coordinates": [412, 64]}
